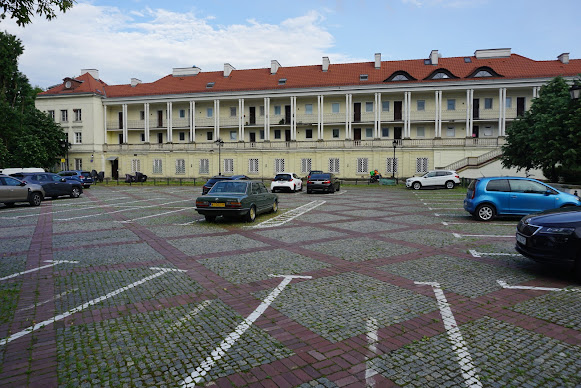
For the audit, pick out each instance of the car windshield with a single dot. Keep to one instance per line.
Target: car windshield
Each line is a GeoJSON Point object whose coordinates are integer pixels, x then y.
{"type": "Point", "coordinates": [229, 187]}
{"type": "Point", "coordinates": [320, 176]}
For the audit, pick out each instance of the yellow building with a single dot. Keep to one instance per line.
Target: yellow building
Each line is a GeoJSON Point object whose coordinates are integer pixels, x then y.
{"type": "Point", "coordinates": [343, 118]}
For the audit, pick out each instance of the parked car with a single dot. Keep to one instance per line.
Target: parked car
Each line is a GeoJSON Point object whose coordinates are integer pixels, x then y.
{"type": "Point", "coordinates": [288, 181]}
{"type": "Point", "coordinates": [314, 172]}
{"type": "Point", "coordinates": [241, 198]}
{"type": "Point", "coordinates": [78, 175]}
{"type": "Point", "coordinates": [443, 178]}
{"type": "Point", "coordinates": [323, 182]}
{"type": "Point", "coordinates": [54, 185]}
{"type": "Point", "coordinates": [487, 198]}
{"type": "Point", "coordinates": [552, 237]}
{"type": "Point", "coordinates": [14, 190]}
{"type": "Point", "coordinates": [208, 185]}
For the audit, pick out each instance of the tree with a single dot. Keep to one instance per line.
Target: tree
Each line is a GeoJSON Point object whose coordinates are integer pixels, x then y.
{"type": "Point", "coordinates": [23, 10]}
{"type": "Point", "coordinates": [548, 134]}
{"type": "Point", "coordinates": [28, 137]}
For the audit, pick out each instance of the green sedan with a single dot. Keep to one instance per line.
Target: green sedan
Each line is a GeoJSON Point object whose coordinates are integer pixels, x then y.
{"type": "Point", "coordinates": [237, 199]}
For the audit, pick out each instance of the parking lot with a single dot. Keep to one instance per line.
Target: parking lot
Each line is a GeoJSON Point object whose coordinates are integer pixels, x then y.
{"type": "Point", "coordinates": [365, 287]}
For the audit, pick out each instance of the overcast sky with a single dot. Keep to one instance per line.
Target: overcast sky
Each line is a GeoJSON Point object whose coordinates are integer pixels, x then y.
{"type": "Point", "coordinates": [145, 39]}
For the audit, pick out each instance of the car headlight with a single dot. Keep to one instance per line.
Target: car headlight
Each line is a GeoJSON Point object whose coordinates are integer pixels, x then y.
{"type": "Point", "coordinates": [556, 230]}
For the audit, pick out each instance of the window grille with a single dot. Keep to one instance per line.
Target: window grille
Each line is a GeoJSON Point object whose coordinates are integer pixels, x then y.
{"type": "Point", "coordinates": [334, 165]}
{"type": "Point", "coordinates": [306, 165]}
{"type": "Point", "coordinates": [362, 164]}
{"type": "Point", "coordinates": [228, 165]}
{"type": "Point", "coordinates": [204, 166]}
{"type": "Point", "coordinates": [180, 166]}
{"type": "Point", "coordinates": [253, 166]}
{"type": "Point", "coordinates": [157, 166]}
{"type": "Point", "coordinates": [421, 164]}
{"type": "Point", "coordinates": [391, 165]}
{"type": "Point", "coordinates": [278, 166]}
{"type": "Point", "coordinates": [135, 165]}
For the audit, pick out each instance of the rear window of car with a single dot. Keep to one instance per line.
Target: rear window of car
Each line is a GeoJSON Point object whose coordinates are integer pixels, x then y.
{"type": "Point", "coordinates": [321, 176]}
{"type": "Point", "coordinates": [282, 177]}
{"type": "Point", "coordinates": [229, 187]}
{"type": "Point", "coordinates": [498, 185]}
{"type": "Point", "coordinates": [211, 181]}
{"type": "Point", "coordinates": [86, 174]}
{"type": "Point", "coordinates": [472, 184]}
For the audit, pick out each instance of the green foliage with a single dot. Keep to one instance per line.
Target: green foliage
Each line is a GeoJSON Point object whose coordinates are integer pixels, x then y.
{"type": "Point", "coordinates": [28, 137]}
{"type": "Point", "coordinates": [23, 10]}
{"type": "Point", "coordinates": [548, 134]}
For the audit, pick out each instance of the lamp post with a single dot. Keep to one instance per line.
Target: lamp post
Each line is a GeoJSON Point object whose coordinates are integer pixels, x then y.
{"type": "Point", "coordinates": [575, 91]}
{"type": "Point", "coordinates": [66, 145]}
{"type": "Point", "coordinates": [393, 161]}
{"type": "Point", "coordinates": [219, 143]}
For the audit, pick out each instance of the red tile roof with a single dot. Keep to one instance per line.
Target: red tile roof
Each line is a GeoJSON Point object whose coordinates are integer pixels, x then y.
{"type": "Point", "coordinates": [346, 74]}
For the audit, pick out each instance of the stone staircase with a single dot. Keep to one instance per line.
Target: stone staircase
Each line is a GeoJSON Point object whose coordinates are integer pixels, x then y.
{"type": "Point", "coordinates": [474, 161]}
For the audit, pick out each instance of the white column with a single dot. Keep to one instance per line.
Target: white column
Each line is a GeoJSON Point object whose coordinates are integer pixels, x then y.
{"type": "Point", "coordinates": [293, 118]}
{"type": "Point", "coordinates": [469, 117]}
{"type": "Point", "coordinates": [406, 111]}
{"type": "Point", "coordinates": [320, 107]}
{"type": "Point", "coordinates": [241, 119]}
{"type": "Point", "coordinates": [348, 116]}
{"type": "Point", "coordinates": [266, 116]}
{"type": "Point", "coordinates": [125, 131]}
{"type": "Point", "coordinates": [146, 121]}
{"type": "Point", "coordinates": [192, 121]}
{"type": "Point", "coordinates": [437, 113]}
{"type": "Point", "coordinates": [105, 124]}
{"type": "Point", "coordinates": [216, 119]}
{"type": "Point", "coordinates": [169, 122]}
{"type": "Point", "coordinates": [377, 122]}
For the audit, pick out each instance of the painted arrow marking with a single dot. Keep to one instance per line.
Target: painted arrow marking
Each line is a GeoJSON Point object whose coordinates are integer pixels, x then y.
{"type": "Point", "coordinates": [42, 324]}
{"type": "Point", "coordinates": [503, 284]}
{"type": "Point", "coordinates": [459, 345]}
{"type": "Point", "coordinates": [198, 374]}
{"type": "Point", "coordinates": [53, 263]}
{"type": "Point", "coordinates": [480, 254]}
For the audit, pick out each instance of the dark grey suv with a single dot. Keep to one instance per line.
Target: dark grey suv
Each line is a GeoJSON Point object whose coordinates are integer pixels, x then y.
{"type": "Point", "coordinates": [325, 182]}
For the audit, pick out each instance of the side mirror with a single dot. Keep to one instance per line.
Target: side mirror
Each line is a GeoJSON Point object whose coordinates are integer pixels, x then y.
{"type": "Point", "coordinates": [22, 183]}
{"type": "Point", "coordinates": [549, 192]}
{"type": "Point", "coordinates": [63, 180]}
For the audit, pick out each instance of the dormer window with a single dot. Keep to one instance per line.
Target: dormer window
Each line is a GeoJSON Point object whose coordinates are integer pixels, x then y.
{"type": "Point", "coordinates": [467, 60]}
{"type": "Point", "coordinates": [68, 84]}
{"type": "Point", "coordinates": [440, 74]}
{"type": "Point", "coordinates": [363, 77]}
{"type": "Point", "coordinates": [399, 75]}
{"type": "Point", "coordinates": [282, 81]}
{"type": "Point", "coordinates": [210, 85]}
{"type": "Point", "coordinates": [483, 71]}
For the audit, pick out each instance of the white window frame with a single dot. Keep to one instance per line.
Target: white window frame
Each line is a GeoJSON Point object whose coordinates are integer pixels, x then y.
{"type": "Point", "coordinates": [279, 165]}
{"type": "Point", "coordinates": [78, 138]}
{"type": "Point", "coordinates": [420, 132]}
{"type": "Point", "coordinates": [78, 115]}
{"type": "Point", "coordinates": [232, 111]}
{"type": "Point", "coordinates": [233, 135]}
{"type": "Point", "coordinates": [421, 105]}
{"type": "Point", "coordinates": [451, 131]}
{"type": "Point", "coordinates": [385, 106]}
{"type": "Point", "coordinates": [334, 165]}
{"type": "Point", "coordinates": [64, 115]}
{"type": "Point", "coordinates": [209, 112]}
{"type": "Point", "coordinates": [253, 166]}
{"type": "Point", "coordinates": [157, 166]}
{"type": "Point", "coordinates": [180, 166]}
{"type": "Point", "coordinates": [306, 165]}
{"type": "Point", "coordinates": [277, 110]}
{"type": "Point", "coordinates": [488, 103]}
{"type": "Point", "coordinates": [228, 165]}
{"type": "Point", "coordinates": [135, 165]}
{"type": "Point", "coordinates": [369, 106]}
{"type": "Point", "coordinates": [78, 164]}
{"type": "Point", "coordinates": [204, 166]}
{"type": "Point", "coordinates": [391, 165]}
{"type": "Point", "coordinates": [362, 166]}
{"type": "Point", "coordinates": [308, 109]}
{"type": "Point", "coordinates": [422, 165]}
{"type": "Point", "coordinates": [451, 104]}
{"type": "Point", "coordinates": [338, 133]}
{"type": "Point", "coordinates": [335, 107]}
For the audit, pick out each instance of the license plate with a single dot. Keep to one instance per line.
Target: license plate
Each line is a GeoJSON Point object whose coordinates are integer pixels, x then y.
{"type": "Point", "coordinates": [521, 239]}
{"type": "Point", "coordinates": [218, 204]}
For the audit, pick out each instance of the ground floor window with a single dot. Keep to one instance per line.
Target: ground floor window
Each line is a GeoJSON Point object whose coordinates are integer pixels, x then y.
{"type": "Point", "coordinates": [180, 166]}
{"type": "Point", "coordinates": [253, 166]}
{"type": "Point", "coordinates": [384, 132]}
{"type": "Point", "coordinates": [362, 165]}
{"type": "Point", "coordinates": [229, 165]}
{"type": "Point", "coordinates": [135, 165]}
{"type": "Point", "coordinates": [391, 165]}
{"type": "Point", "coordinates": [306, 164]}
{"type": "Point", "coordinates": [157, 166]}
{"type": "Point", "coordinates": [278, 166]}
{"type": "Point", "coordinates": [78, 164]}
{"type": "Point", "coordinates": [421, 164]}
{"type": "Point", "coordinates": [334, 165]}
{"type": "Point", "coordinates": [204, 166]}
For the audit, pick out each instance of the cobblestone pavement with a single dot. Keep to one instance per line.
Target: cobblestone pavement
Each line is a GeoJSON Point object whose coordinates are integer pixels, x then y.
{"type": "Point", "coordinates": [375, 287]}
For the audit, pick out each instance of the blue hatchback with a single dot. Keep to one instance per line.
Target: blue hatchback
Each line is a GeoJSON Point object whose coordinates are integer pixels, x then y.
{"type": "Point", "coordinates": [487, 198]}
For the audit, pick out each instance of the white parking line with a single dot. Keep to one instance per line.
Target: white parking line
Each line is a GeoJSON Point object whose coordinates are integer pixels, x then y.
{"type": "Point", "coordinates": [288, 216]}
{"type": "Point", "coordinates": [53, 263]}
{"type": "Point", "coordinates": [42, 324]}
{"type": "Point", "coordinates": [197, 375]}
{"type": "Point", "coordinates": [189, 316]}
{"type": "Point", "coordinates": [503, 284]}
{"type": "Point", "coordinates": [118, 211]}
{"type": "Point", "coordinates": [459, 345]}
{"type": "Point", "coordinates": [480, 254]}
{"type": "Point", "coordinates": [472, 223]}
{"type": "Point", "coordinates": [443, 208]}
{"type": "Point", "coordinates": [372, 340]}
{"type": "Point", "coordinates": [458, 235]}
{"type": "Point", "coordinates": [48, 300]}
{"type": "Point", "coordinates": [156, 215]}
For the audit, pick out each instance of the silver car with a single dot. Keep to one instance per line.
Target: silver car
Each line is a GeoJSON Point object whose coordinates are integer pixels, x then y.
{"type": "Point", "coordinates": [13, 190]}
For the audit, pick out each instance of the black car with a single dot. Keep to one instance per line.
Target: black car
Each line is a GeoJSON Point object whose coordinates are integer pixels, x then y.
{"type": "Point", "coordinates": [208, 185]}
{"type": "Point", "coordinates": [54, 185]}
{"type": "Point", "coordinates": [552, 236]}
{"type": "Point", "coordinates": [325, 182]}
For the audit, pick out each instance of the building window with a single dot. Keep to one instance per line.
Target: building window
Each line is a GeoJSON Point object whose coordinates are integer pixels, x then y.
{"type": "Point", "coordinates": [368, 107]}
{"type": "Point", "coordinates": [182, 113]}
{"type": "Point", "coordinates": [157, 166]}
{"type": "Point", "coordinates": [51, 114]}
{"type": "Point", "coordinates": [233, 135]}
{"type": "Point", "coordinates": [182, 136]}
{"type": "Point", "coordinates": [135, 165]}
{"type": "Point", "coordinates": [261, 110]}
{"type": "Point", "coordinates": [261, 134]}
{"type": "Point", "coordinates": [64, 116]}
{"type": "Point", "coordinates": [209, 135]}
{"type": "Point", "coordinates": [210, 85]}
{"type": "Point", "coordinates": [451, 132]}
{"type": "Point", "coordinates": [509, 102]}
{"type": "Point", "coordinates": [488, 131]}
{"type": "Point", "coordinates": [335, 133]}
{"type": "Point", "coordinates": [421, 165]}
{"type": "Point", "coordinates": [369, 132]}
{"type": "Point", "coordinates": [282, 81]}
{"type": "Point", "coordinates": [160, 137]}
{"type": "Point", "coordinates": [384, 132]}
{"type": "Point", "coordinates": [420, 132]}
{"type": "Point", "coordinates": [143, 137]}
{"type": "Point", "coordinates": [277, 133]}
{"type": "Point", "coordinates": [229, 166]}
{"type": "Point", "coordinates": [209, 112]}
{"type": "Point", "coordinates": [78, 116]}
{"type": "Point", "coordinates": [204, 166]}
{"type": "Point", "coordinates": [141, 115]}
{"type": "Point", "coordinates": [483, 73]}
{"type": "Point", "coordinates": [277, 110]}
{"type": "Point", "coordinates": [232, 111]}
{"type": "Point", "coordinates": [363, 77]}
{"type": "Point", "coordinates": [451, 104]}
{"type": "Point", "coordinates": [400, 77]}
{"type": "Point", "coordinates": [488, 103]}
{"type": "Point", "coordinates": [180, 166]}
{"type": "Point", "coordinates": [391, 165]}
{"type": "Point", "coordinates": [309, 109]}
{"type": "Point", "coordinates": [253, 166]}
{"type": "Point", "coordinates": [334, 165]}
{"type": "Point", "coordinates": [78, 164]}
{"type": "Point", "coordinates": [309, 134]}
{"type": "Point", "coordinates": [335, 107]}
{"type": "Point", "coordinates": [78, 138]}
{"type": "Point", "coordinates": [385, 106]}
{"type": "Point", "coordinates": [278, 166]}
{"type": "Point", "coordinates": [306, 165]}
{"type": "Point", "coordinates": [362, 165]}
{"type": "Point", "coordinates": [421, 104]}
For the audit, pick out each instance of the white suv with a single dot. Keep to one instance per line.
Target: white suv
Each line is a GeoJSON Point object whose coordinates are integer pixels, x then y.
{"type": "Point", "coordinates": [286, 180]}
{"type": "Point", "coordinates": [444, 178]}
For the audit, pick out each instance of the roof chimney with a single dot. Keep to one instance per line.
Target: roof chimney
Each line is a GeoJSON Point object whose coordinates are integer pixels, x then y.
{"type": "Point", "coordinates": [92, 72]}
{"type": "Point", "coordinates": [434, 57]}
{"type": "Point", "coordinates": [492, 53]}
{"type": "Point", "coordinates": [135, 82]}
{"type": "Point", "coordinates": [274, 66]}
{"type": "Point", "coordinates": [564, 58]}
{"type": "Point", "coordinates": [326, 63]}
{"type": "Point", "coordinates": [185, 71]}
{"type": "Point", "coordinates": [228, 69]}
{"type": "Point", "coordinates": [378, 60]}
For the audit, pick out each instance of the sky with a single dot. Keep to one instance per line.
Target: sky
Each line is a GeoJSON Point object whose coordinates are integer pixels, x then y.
{"type": "Point", "coordinates": [146, 39]}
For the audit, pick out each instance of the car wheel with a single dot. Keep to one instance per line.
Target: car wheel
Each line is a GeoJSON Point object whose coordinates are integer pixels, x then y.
{"type": "Point", "coordinates": [75, 193]}
{"type": "Point", "coordinates": [274, 206]}
{"type": "Point", "coordinates": [210, 218]}
{"type": "Point", "coordinates": [331, 189]}
{"type": "Point", "coordinates": [417, 185]}
{"type": "Point", "coordinates": [450, 185]}
{"type": "Point", "coordinates": [485, 212]}
{"type": "Point", "coordinates": [35, 199]}
{"type": "Point", "coordinates": [251, 215]}
{"type": "Point", "coordinates": [309, 191]}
